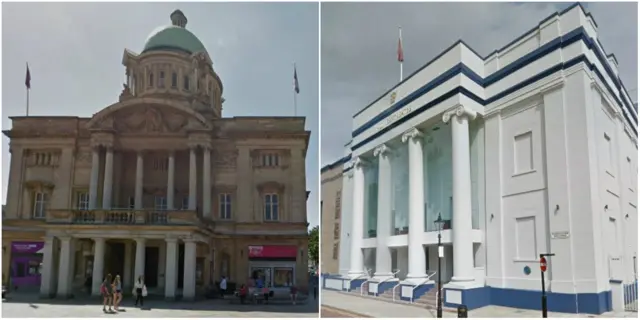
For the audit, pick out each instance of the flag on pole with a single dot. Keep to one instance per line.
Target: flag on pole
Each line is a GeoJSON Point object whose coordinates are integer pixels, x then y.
{"type": "Point", "coordinates": [296, 88]}
{"type": "Point", "coordinates": [27, 80]}
{"type": "Point", "coordinates": [400, 53]}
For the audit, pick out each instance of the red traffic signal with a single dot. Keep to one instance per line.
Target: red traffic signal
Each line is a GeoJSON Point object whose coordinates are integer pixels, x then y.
{"type": "Point", "coordinates": [543, 264]}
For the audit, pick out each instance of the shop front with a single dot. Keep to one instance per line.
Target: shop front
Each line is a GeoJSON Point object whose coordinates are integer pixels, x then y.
{"type": "Point", "coordinates": [26, 263]}
{"type": "Point", "coordinates": [273, 266]}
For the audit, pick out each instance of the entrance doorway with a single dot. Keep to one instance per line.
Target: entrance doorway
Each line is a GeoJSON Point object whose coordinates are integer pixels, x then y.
{"type": "Point", "coordinates": [115, 263]}
{"type": "Point", "coordinates": [151, 264]}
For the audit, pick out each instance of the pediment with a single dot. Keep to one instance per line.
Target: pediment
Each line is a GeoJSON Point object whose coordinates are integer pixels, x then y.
{"type": "Point", "coordinates": [146, 116]}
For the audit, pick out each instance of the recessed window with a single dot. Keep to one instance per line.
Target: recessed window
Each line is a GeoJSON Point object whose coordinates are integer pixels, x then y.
{"type": "Point", "coordinates": [40, 203]}
{"type": "Point", "coordinates": [160, 203]}
{"type": "Point", "coordinates": [150, 79]}
{"type": "Point", "coordinates": [271, 207]}
{"type": "Point", "coordinates": [523, 153]}
{"type": "Point", "coordinates": [161, 80]}
{"type": "Point", "coordinates": [43, 158]}
{"type": "Point", "coordinates": [186, 83]}
{"type": "Point", "coordinates": [82, 200]}
{"type": "Point", "coordinates": [185, 203]}
{"type": "Point", "coordinates": [270, 160]}
{"type": "Point", "coordinates": [174, 80]}
{"type": "Point", "coordinates": [225, 206]}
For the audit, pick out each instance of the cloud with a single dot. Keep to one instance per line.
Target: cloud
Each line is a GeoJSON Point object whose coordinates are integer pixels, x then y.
{"type": "Point", "coordinates": [359, 42]}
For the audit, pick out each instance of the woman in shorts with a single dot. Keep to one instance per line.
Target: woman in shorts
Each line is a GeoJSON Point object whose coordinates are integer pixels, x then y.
{"type": "Point", "coordinates": [106, 289]}
{"type": "Point", "coordinates": [117, 295]}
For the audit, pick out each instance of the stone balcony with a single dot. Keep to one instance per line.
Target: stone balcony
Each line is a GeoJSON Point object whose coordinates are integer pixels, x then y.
{"type": "Point", "coordinates": [143, 217]}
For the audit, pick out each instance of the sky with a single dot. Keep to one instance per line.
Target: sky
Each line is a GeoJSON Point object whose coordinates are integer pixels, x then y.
{"type": "Point", "coordinates": [75, 50]}
{"type": "Point", "coordinates": [359, 45]}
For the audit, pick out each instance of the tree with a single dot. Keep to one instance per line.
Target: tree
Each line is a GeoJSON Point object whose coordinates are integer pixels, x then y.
{"type": "Point", "coordinates": [314, 254]}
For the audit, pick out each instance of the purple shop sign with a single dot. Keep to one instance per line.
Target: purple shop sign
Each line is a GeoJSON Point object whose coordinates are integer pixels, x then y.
{"type": "Point", "coordinates": [26, 246]}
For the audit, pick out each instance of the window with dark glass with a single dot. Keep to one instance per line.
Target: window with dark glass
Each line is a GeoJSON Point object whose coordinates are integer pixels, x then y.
{"type": "Point", "coordinates": [174, 80]}
{"type": "Point", "coordinates": [271, 207]}
{"type": "Point", "coordinates": [150, 79]}
{"type": "Point", "coordinates": [186, 82]}
{"type": "Point", "coordinates": [161, 80]}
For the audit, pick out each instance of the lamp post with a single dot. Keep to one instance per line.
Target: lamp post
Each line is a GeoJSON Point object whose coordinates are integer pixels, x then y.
{"type": "Point", "coordinates": [439, 224]}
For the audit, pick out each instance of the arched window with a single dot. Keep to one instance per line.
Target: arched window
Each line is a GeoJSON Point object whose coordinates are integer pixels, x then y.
{"type": "Point", "coordinates": [161, 80]}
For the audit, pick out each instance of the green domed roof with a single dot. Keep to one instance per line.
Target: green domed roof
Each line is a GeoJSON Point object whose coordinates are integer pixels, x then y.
{"type": "Point", "coordinates": [174, 37]}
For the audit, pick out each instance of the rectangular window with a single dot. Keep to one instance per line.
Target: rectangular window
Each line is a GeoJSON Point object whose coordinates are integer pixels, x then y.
{"type": "Point", "coordinates": [160, 203]}
{"type": "Point", "coordinates": [150, 79]}
{"type": "Point", "coordinates": [40, 204]}
{"type": "Point", "coordinates": [271, 207]}
{"type": "Point", "coordinates": [225, 206]}
{"type": "Point", "coordinates": [186, 83]}
{"type": "Point", "coordinates": [161, 80]}
{"type": "Point", "coordinates": [174, 80]}
{"type": "Point", "coordinates": [270, 160]}
{"type": "Point", "coordinates": [82, 200]}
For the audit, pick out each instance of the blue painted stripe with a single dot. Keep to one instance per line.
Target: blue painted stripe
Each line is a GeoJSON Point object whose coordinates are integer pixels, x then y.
{"type": "Point", "coordinates": [469, 94]}
{"type": "Point", "coordinates": [338, 162]}
{"type": "Point", "coordinates": [460, 68]}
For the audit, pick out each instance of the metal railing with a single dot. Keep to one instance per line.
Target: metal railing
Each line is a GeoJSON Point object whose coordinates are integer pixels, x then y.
{"type": "Point", "coordinates": [366, 272]}
{"type": "Point", "coordinates": [392, 276]}
{"type": "Point", "coordinates": [631, 297]}
{"type": "Point", "coordinates": [429, 275]}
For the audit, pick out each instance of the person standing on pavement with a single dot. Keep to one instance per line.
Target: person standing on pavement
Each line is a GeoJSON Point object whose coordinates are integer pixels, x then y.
{"type": "Point", "coordinates": [117, 295]}
{"type": "Point", "coordinates": [140, 291]}
{"type": "Point", "coordinates": [223, 286]}
{"type": "Point", "coordinates": [106, 289]}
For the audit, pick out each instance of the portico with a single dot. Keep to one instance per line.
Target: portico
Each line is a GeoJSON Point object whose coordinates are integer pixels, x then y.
{"type": "Point", "coordinates": [413, 186]}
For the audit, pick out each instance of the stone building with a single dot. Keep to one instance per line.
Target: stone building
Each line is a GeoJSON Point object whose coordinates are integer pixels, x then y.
{"type": "Point", "coordinates": [157, 184]}
{"type": "Point", "coordinates": [331, 213]}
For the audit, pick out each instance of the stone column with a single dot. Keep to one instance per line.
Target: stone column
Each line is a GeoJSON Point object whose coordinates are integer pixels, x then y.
{"type": "Point", "coordinates": [64, 281]}
{"type": "Point", "coordinates": [189, 281]}
{"type": "Point", "coordinates": [192, 178]}
{"type": "Point", "coordinates": [463, 267]}
{"type": "Point", "coordinates": [139, 180]}
{"type": "Point", "coordinates": [417, 260]}
{"type": "Point", "coordinates": [108, 179]}
{"type": "Point", "coordinates": [140, 250]}
{"type": "Point", "coordinates": [357, 222]}
{"type": "Point", "coordinates": [171, 269]}
{"type": "Point", "coordinates": [206, 183]}
{"type": "Point", "coordinates": [93, 184]}
{"type": "Point", "coordinates": [46, 278]}
{"type": "Point", "coordinates": [383, 253]}
{"type": "Point", "coordinates": [98, 265]}
{"type": "Point", "coordinates": [171, 181]}
{"type": "Point", "coordinates": [127, 279]}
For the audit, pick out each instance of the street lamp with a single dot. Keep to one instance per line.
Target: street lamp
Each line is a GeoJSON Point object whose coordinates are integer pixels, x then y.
{"type": "Point", "coordinates": [439, 224]}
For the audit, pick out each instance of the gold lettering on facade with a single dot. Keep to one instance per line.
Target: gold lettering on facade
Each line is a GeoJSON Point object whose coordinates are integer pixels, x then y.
{"type": "Point", "coordinates": [392, 118]}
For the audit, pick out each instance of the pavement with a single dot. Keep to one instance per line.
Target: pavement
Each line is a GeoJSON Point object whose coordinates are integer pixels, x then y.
{"type": "Point", "coordinates": [30, 306]}
{"type": "Point", "coordinates": [348, 303]}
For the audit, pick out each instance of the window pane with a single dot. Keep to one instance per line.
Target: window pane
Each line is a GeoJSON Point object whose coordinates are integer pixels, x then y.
{"type": "Point", "coordinates": [228, 211]}
{"type": "Point", "coordinates": [267, 212]}
{"type": "Point", "coordinates": [274, 199]}
{"type": "Point", "coordinates": [275, 211]}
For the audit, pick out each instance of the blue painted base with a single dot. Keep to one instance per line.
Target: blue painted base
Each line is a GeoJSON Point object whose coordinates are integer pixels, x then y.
{"type": "Point", "coordinates": [418, 292]}
{"type": "Point", "coordinates": [382, 287]}
{"type": "Point", "coordinates": [355, 284]}
{"type": "Point", "coordinates": [590, 303]}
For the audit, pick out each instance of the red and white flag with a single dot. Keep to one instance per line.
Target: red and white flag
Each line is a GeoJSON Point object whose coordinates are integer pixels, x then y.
{"type": "Point", "coordinates": [400, 53]}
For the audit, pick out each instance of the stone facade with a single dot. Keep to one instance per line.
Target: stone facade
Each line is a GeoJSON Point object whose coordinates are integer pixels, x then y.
{"type": "Point", "coordinates": [160, 168]}
{"type": "Point", "coordinates": [330, 218]}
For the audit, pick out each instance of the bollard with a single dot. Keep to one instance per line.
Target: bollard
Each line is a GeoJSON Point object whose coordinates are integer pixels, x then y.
{"type": "Point", "coordinates": [462, 311]}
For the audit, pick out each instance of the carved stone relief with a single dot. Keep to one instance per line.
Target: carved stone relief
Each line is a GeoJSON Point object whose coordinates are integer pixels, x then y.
{"type": "Point", "coordinates": [150, 120]}
{"type": "Point", "coordinates": [226, 158]}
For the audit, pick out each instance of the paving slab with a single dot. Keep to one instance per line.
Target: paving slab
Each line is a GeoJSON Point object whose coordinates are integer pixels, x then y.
{"type": "Point", "coordinates": [382, 309]}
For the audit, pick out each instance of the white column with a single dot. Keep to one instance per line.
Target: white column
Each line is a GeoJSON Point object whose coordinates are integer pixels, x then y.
{"type": "Point", "coordinates": [128, 267]}
{"type": "Point", "coordinates": [108, 179]}
{"type": "Point", "coordinates": [98, 265]}
{"type": "Point", "coordinates": [139, 180]}
{"type": "Point", "coordinates": [47, 276]}
{"type": "Point", "coordinates": [383, 253]}
{"type": "Point", "coordinates": [417, 260]}
{"type": "Point", "coordinates": [357, 221]}
{"type": "Point", "coordinates": [189, 281]}
{"type": "Point", "coordinates": [140, 250]}
{"type": "Point", "coordinates": [93, 184]}
{"type": "Point", "coordinates": [171, 181]}
{"type": "Point", "coordinates": [64, 282]}
{"type": "Point", "coordinates": [206, 183]}
{"type": "Point", "coordinates": [461, 221]}
{"type": "Point", "coordinates": [171, 269]}
{"type": "Point", "coordinates": [192, 178]}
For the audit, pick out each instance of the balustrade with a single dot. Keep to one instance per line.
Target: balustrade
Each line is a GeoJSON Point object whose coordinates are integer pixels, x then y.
{"type": "Point", "coordinates": [123, 217]}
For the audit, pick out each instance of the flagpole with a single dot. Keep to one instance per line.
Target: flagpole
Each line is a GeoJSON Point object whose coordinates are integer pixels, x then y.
{"type": "Point", "coordinates": [295, 98]}
{"type": "Point", "coordinates": [27, 102]}
{"type": "Point", "coordinates": [401, 62]}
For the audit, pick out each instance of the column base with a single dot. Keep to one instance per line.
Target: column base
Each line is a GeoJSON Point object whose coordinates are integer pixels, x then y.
{"type": "Point", "coordinates": [47, 295]}
{"type": "Point", "coordinates": [188, 298]}
{"type": "Point", "coordinates": [383, 275]}
{"type": "Point", "coordinates": [352, 274]}
{"type": "Point", "coordinates": [170, 299]}
{"type": "Point", "coordinates": [415, 279]}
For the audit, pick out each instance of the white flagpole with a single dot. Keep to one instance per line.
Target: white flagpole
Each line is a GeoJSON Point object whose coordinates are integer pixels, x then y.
{"type": "Point", "coordinates": [401, 48]}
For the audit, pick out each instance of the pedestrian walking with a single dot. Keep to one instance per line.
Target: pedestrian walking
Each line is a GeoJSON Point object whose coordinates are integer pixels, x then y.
{"type": "Point", "coordinates": [140, 291]}
{"type": "Point", "coordinates": [117, 295]}
{"type": "Point", "coordinates": [223, 286]}
{"type": "Point", "coordinates": [106, 290]}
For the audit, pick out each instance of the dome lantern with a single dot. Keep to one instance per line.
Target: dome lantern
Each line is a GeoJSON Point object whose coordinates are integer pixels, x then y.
{"type": "Point", "coordinates": [178, 19]}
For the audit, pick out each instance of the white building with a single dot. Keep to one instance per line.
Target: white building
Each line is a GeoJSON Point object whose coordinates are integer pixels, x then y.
{"type": "Point", "coordinates": [532, 149]}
